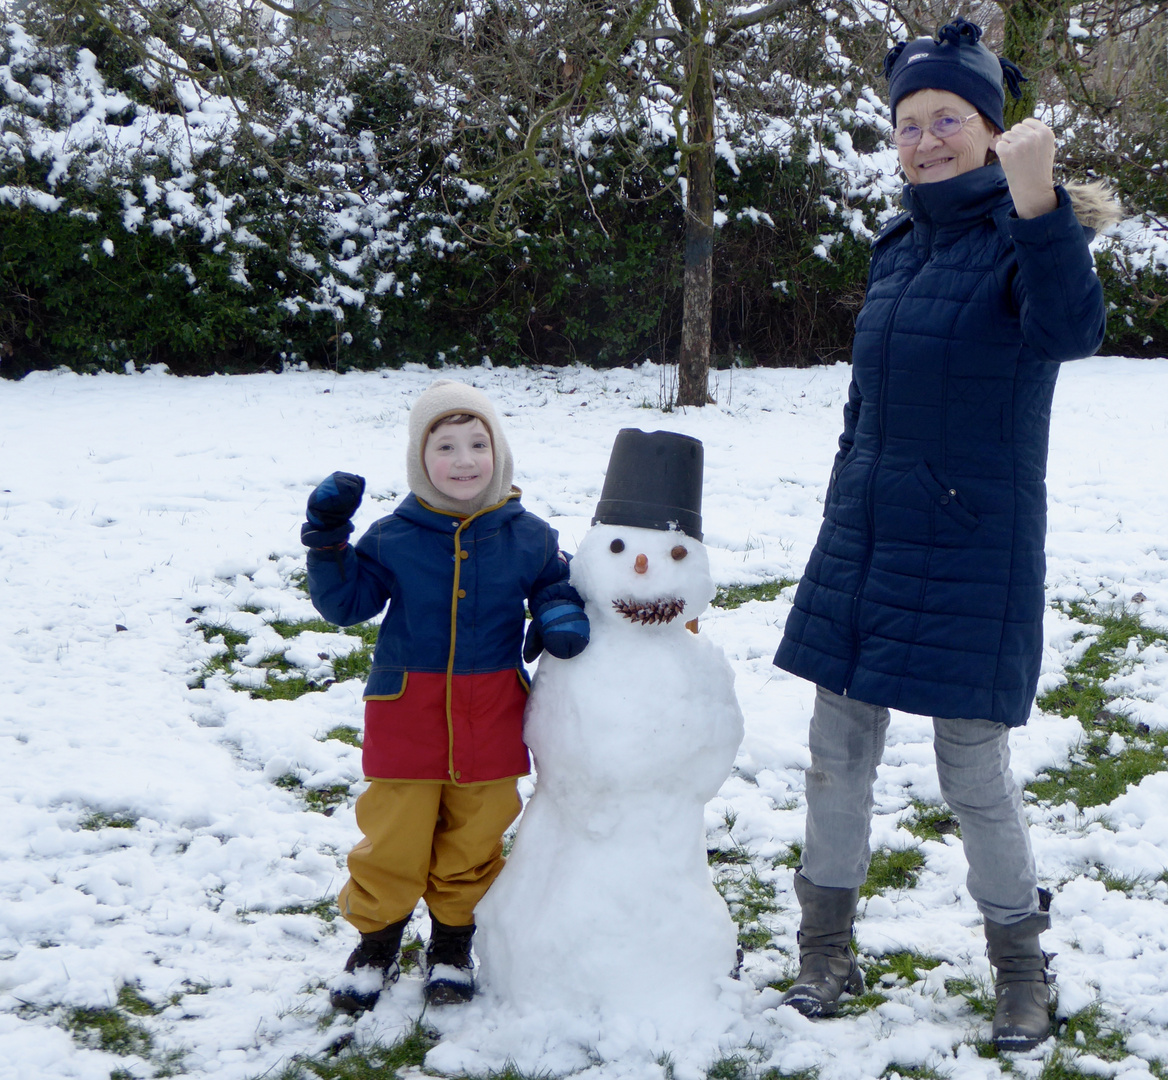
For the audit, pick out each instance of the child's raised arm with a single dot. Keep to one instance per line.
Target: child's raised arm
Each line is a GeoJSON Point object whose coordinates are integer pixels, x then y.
{"type": "Point", "coordinates": [345, 587]}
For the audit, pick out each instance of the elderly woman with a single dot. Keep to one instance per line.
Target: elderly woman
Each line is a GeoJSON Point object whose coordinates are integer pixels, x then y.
{"type": "Point", "coordinates": [924, 592]}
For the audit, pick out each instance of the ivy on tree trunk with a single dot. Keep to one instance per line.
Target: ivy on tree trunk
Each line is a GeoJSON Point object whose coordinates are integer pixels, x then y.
{"type": "Point", "coordinates": [1027, 23]}
{"type": "Point", "coordinates": [693, 366]}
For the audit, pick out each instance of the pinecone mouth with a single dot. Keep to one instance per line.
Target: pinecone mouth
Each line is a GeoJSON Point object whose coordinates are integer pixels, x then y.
{"type": "Point", "coordinates": [650, 612]}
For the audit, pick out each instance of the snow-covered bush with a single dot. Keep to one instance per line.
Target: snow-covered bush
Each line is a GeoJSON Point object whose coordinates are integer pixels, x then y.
{"type": "Point", "coordinates": [196, 185]}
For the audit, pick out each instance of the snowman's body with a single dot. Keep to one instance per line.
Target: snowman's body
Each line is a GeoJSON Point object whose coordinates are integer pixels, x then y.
{"type": "Point", "coordinates": [606, 902]}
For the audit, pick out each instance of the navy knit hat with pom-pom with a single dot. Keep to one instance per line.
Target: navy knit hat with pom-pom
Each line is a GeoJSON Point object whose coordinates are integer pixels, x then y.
{"type": "Point", "coordinates": [955, 61]}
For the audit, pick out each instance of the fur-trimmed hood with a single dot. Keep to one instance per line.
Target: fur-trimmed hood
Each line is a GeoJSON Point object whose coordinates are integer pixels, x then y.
{"type": "Point", "coordinates": [1095, 205]}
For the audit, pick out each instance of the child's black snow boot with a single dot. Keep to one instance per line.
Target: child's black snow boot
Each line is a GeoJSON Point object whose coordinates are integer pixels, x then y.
{"type": "Point", "coordinates": [827, 965]}
{"type": "Point", "coordinates": [1021, 980]}
{"type": "Point", "coordinates": [371, 967]}
{"type": "Point", "coordinates": [449, 967]}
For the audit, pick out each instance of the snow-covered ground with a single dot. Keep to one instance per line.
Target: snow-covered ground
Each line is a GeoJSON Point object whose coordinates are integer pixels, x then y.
{"type": "Point", "coordinates": [128, 505]}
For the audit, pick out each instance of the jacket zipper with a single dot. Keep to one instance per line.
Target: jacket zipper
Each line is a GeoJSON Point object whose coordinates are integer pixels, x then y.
{"type": "Point", "coordinates": [870, 495]}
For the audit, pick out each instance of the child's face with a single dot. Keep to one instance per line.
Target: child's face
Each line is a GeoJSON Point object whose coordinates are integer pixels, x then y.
{"type": "Point", "coordinates": [459, 459]}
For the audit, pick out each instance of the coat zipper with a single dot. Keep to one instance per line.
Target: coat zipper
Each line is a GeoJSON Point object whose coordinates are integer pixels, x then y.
{"type": "Point", "coordinates": [870, 499]}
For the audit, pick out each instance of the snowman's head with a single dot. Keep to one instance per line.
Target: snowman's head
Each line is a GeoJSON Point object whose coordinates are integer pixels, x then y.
{"type": "Point", "coordinates": [650, 577]}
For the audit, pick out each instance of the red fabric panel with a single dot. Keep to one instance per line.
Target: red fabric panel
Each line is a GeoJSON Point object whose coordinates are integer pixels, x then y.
{"type": "Point", "coordinates": [408, 738]}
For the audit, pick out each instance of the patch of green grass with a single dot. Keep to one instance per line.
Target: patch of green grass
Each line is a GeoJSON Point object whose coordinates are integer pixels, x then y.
{"type": "Point", "coordinates": [510, 1071]}
{"type": "Point", "coordinates": [346, 734]}
{"type": "Point", "coordinates": [931, 822]}
{"type": "Point", "coordinates": [1083, 695]}
{"type": "Point", "coordinates": [727, 857]}
{"type": "Point", "coordinates": [747, 896]}
{"type": "Point", "coordinates": [1116, 882]}
{"type": "Point", "coordinates": [231, 638]}
{"type": "Point", "coordinates": [861, 1003]}
{"type": "Point", "coordinates": [189, 987]}
{"type": "Point", "coordinates": [171, 1064]}
{"type": "Point", "coordinates": [1096, 775]}
{"type": "Point", "coordinates": [366, 631]}
{"type": "Point", "coordinates": [289, 683]}
{"type": "Point", "coordinates": [911, 1072]}
{"type": "Point", "coordinates": [801, 1074]}
{"type": "Point", "coordinates": [110, 1030]}
{"type": "Point", "coordinates": [792, 859]}
{"type": "Point", "coordinates": [1095, 778]}
{"type": "Point", "coordinates": [285, 689]}
{"type": "Point", "coordinates": [1089, 1032]}
{"type": "Point", "coordinates": [298, 579]}
{"type": "Point", "coordinates": [978, 994]}
{"type": "Point", "coordinates": [354, 665]}
{"type": "Point", "coordinates": [366, 1062]}
{"type": "Point", "coordinates": [733, 596]}
{"type": "Point", "coordinates": [98, 819]}
{"type": "Point", "coordinates": [131, 1000]}
{"type": "Point", "coordinates": [735, 1067]}
{"type": "Point", "coordinates": [222, 663]}
{"type": "Point", "coordinates": [288, 629]}
{"type": "Point", "coordinates": [325, 908]}
{"type": "Point", "coordinates": [411, 954]}
{"type": "Point", "coordinates": [906, 966]}
{"type": "Point", "coordinates": [892, 870]}
{"type": "Point", "coordinates": [1061, 1066]}
{"type": "Point", "coordinates": [324, 800]}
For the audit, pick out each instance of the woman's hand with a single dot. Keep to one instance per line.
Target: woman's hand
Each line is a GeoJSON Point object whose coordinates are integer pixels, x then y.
{"type": "Point", "coordinates": [1026, 152]}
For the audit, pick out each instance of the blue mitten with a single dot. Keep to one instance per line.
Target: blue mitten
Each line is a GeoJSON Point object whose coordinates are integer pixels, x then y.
{"type": "Point", "coordinates": [558, 624]}
{"type": "Point", "coordinates": [330, 506]}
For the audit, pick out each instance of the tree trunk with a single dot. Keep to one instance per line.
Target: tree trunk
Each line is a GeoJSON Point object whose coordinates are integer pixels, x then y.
{"type": "Point", "coordinates": [693, 368]}
{"type": "Point", "coordinates": [1026, 25]}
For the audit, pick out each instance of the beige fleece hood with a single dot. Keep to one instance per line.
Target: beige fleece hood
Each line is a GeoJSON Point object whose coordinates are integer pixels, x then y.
{"type": "Point", "coordinates": [449, 398]}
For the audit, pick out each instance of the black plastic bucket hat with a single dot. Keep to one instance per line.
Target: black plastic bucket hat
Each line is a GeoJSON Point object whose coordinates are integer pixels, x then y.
{"type": "Point", "coordinates": [654, 481]}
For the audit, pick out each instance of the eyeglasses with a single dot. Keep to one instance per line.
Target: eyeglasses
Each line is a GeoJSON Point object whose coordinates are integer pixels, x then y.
{"type": "Point", "coordinates": [944, 127]}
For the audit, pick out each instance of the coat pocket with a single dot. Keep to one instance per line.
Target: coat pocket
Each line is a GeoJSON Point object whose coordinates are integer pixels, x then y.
{"type": "Point", "coordinates": [385, 683]}
{"type": "Point", "coordinates": [837, 470]}
{"type": "Point", "coordinates": [945, 497]}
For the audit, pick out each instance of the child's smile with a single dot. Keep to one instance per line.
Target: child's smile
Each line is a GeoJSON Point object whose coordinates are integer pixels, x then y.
{"type": "Point", "coordinates": [459, 459]}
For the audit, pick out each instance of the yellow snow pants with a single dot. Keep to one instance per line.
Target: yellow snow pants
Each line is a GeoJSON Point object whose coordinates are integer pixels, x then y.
{"type": "Point", "coordinates": [426, 840]}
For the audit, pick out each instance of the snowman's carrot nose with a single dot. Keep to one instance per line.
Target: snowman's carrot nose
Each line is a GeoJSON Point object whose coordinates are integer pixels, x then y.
{"type": "Point", "coordinates": [641, 564]}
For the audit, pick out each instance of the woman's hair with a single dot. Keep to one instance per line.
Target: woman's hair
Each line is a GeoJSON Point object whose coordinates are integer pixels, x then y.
{"type": "Point", "coordinates": [457, 418]}
{"type": "Point", "coordinates": [991, 153]}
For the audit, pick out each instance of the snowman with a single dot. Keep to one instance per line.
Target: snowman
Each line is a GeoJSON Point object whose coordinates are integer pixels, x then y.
{"type": "Point", "coordinates": [606, 906]}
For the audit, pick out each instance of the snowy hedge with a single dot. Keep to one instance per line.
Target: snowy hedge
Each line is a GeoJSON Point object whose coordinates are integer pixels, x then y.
{"type": "Point", "coordinates": [152, 217]}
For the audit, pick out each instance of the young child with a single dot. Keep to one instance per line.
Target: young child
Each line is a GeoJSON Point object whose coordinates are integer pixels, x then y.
{"type": "Point", "coordinates": [444, 702]}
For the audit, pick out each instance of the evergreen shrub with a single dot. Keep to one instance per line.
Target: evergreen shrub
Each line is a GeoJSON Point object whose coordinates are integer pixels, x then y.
{"type": "Point", "coordinates": [344, 225]}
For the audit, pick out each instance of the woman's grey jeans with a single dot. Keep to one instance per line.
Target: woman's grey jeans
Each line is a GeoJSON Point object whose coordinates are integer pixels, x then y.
{"type": "Point", "coordinates": [973, 767]}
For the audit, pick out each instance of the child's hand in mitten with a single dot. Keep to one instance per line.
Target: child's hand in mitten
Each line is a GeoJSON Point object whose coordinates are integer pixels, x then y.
{"type": "Point", "coordinates": [559, 625]}
{"type": "Point", "coordinates": [330, 506]}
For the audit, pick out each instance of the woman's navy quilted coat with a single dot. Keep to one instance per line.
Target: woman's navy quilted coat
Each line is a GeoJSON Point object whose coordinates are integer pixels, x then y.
{"type": "Point", "coordinates": [925, 588]}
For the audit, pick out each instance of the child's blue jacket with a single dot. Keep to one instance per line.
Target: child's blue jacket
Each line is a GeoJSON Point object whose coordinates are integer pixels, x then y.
{"type": "Point", "coordinates": [451, 640]}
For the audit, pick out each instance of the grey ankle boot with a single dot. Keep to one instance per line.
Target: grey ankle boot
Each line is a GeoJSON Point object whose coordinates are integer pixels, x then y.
{"type": "Point", "coordinates": [827, 965]}
{"type": "Point", "coordinates": [1021, 981]}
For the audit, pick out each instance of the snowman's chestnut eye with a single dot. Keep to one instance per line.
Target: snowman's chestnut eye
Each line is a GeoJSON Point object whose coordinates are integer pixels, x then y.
{"type": "Point", "coordinates": [679, 552]}
{"type": "Point", "coordinates": [616, 547]}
